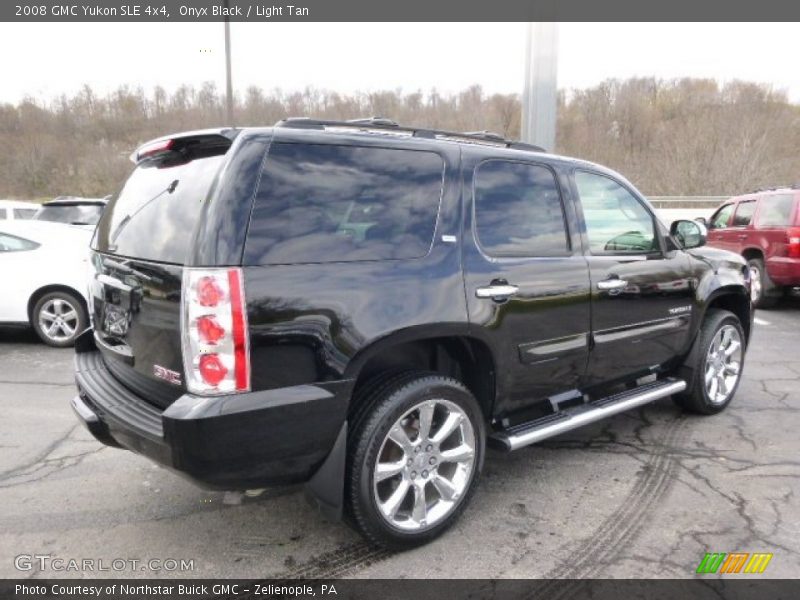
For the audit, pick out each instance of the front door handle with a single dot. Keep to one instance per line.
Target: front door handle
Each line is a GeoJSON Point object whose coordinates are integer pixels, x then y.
{"type": "Point", "coordinates": [615, 284]}
{"type": "Point", "coordinates": [497, 292]}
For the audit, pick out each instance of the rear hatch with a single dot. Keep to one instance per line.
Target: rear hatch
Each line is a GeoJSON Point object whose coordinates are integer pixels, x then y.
{"type": "Point", "coordinates": [139, 251]}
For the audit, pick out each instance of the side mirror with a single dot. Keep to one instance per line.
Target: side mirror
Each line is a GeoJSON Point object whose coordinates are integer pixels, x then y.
{"type": "Point", "coordinates": [703, 221]}
{"type": "Point", "coordinates": [689, 234]}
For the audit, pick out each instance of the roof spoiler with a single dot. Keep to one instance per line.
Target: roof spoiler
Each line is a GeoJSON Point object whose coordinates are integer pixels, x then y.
{"type": "Point", "coordinates": [187, 145]}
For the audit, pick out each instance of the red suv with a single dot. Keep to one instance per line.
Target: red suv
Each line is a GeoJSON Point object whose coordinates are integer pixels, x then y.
{"type": "Point", "coordinates": [764, 227]}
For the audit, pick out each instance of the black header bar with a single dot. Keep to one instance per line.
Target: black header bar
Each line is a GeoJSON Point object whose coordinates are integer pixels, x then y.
{"type": "Point", "coordinates": [255, 11]}
{"type": "Point", "coordinates": [748, 587]}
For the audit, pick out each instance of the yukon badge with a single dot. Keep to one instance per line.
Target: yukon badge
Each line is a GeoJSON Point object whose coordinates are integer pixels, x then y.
{"type": "Point", "coordinates": [167, 374]}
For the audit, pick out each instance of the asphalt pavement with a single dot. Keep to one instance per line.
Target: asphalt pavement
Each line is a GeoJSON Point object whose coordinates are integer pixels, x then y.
{"type": "Point", "coordinates": [644, 494]}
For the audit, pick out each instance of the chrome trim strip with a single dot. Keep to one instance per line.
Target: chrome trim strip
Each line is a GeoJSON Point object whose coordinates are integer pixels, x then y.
{"type": "Point", "coordinates": [534, 352]}
{"type": "Point", "coordinates": [645, 328]}
{"type": "Point", "coordinates": [572, 342]}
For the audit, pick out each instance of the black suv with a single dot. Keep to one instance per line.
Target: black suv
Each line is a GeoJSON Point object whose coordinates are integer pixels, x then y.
{"type": "Point", "coordinates": [363, 307]}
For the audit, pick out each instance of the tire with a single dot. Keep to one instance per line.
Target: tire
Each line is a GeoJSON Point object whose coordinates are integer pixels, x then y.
{"type": "Point", "coordinates": [58, 318]}
{"type": "Point", "coordinates": [764, 293]}
{"type": "Point", "coordinates": [707, 373]}
{"type": "Point", "coordinates": [390, 408]}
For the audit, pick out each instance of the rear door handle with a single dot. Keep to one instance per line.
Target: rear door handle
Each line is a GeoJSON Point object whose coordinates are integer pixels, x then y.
{"type": "Point", "coordinates": [612, 284]}
{"type": "Point", "coordinates": [497, 292]}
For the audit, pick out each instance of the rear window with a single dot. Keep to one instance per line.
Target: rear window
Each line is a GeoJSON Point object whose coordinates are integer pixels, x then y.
{"type": "Point", "coordinates": [776, 211]}
{"type": "Point", "coordinates": [87, 214]}
{"type": "Point", "coordinates": [518, 210]}
{"type": "Point", "coordinates": [154, 215]}
{"type": "Point", "coordinates": [323, 203]}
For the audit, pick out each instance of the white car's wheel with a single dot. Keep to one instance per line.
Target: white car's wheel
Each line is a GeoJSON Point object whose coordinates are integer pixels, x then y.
{"type": "Point", "coordinates": [58, 318]}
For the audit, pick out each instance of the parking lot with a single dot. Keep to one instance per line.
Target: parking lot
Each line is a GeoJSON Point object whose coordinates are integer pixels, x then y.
{"type": "Point", "coordinates": [645, 494]}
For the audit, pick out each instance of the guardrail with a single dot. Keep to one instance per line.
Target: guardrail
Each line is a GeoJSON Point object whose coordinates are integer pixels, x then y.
{"type": "Point", "coordinates": [686, 201]}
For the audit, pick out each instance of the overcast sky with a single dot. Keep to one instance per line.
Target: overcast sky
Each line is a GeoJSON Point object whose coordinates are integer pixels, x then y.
{"type": "Point", "coordinates": [45, 60]}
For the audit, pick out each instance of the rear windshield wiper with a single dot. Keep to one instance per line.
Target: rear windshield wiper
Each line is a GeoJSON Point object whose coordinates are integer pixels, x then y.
{"type": "Point", "coordinates": [127, 219]}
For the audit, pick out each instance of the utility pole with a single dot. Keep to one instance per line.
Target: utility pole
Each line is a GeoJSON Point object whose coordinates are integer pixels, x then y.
{"type": "Point", "coordinates": [228, 78]}
{"type": "Point", "coordinates": [539, 96]}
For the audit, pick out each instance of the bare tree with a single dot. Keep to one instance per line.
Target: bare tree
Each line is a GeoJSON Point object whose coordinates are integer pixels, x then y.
{"type": "Point", "coordinates": [683, 136]}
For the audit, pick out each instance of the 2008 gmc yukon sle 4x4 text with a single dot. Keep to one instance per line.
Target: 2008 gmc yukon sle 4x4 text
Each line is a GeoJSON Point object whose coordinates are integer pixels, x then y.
{"type": "Point", "coordinates": [363, 307]}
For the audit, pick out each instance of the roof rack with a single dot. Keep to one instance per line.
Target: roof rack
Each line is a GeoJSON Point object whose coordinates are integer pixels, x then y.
{"type": "Point", "coordinates": [389, 126]}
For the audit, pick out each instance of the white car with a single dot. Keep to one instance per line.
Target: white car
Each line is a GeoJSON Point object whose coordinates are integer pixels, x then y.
{"type": "Point", "coordinates": [11, 210]}
{"type": "Point", "coordinates": [43, 267]}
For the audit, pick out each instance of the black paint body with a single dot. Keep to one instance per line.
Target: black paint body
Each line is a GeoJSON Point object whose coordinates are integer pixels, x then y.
{"type": "Point", "coordinates": [316, 328]}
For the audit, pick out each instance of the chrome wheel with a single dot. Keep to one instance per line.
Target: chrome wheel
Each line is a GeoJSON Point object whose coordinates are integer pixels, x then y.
{"type": "Point", "coordinates": [756, 287]}
{"type": "Point", "coordinates": [723, 364]}
{"type": "Point", "coordinates": [58, 320]}
{"type": "Point", "coordinates": [424, 465]}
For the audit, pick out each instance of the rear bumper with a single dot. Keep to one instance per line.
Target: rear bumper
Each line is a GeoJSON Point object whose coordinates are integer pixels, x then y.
{"type": "Point", "coordinates": [783, 270]}
{"type": "Point", "coordinates": [239, 441]}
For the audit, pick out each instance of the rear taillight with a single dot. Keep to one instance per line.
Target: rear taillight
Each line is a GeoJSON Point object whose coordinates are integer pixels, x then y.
{"type": "Point", "coordinates": [216, 355]}
{"type": "Point", "coordinates": [209, 292]}
{"type": "Point", "coordinates": [209, 331]}
{"type": "Point", "coordinates": [793, 242]}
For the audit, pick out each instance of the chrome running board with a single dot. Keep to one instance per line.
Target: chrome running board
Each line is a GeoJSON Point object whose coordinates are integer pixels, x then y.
{"type": "Point", "coordinates": [525, 434]}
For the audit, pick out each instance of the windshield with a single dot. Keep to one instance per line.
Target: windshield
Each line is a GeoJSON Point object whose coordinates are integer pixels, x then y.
{"type": "Point", "coordinates": [85, 214]}
{"type": "Point", "coordinates": [154, 215]}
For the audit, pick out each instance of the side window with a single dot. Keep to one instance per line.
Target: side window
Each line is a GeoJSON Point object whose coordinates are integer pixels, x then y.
{"type": "Point", "coordinates": [518, 210]}
{"type": "Point", "coordinates": [721, 217]}
{"type": "Point", "coordinates": [616, 222]}
{"type": "Point", "coordinates": [3, 214]}
{"type": "Point", "coordinates": [11, 243]}
{"type": "Point", "coordinates": [744, 214]}
{"type": "Point", "coordinates": [319, 203]}
{"type": "Point", "coordinates": [24, 213]}
{"type": "Point", "coordinates": [776, 211]}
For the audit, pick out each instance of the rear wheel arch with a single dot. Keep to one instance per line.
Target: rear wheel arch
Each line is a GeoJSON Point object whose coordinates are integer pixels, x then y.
{"type": "Point", "coordinates": [751, 253]}
{"type": "Point", "coordinates": [460, 356]}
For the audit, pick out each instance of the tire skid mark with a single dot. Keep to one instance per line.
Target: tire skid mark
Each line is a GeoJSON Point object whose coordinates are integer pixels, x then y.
{"type": "Point", "coordinates": [336, 563]}
{"type": "Point", "coordinates": [622, 526]}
